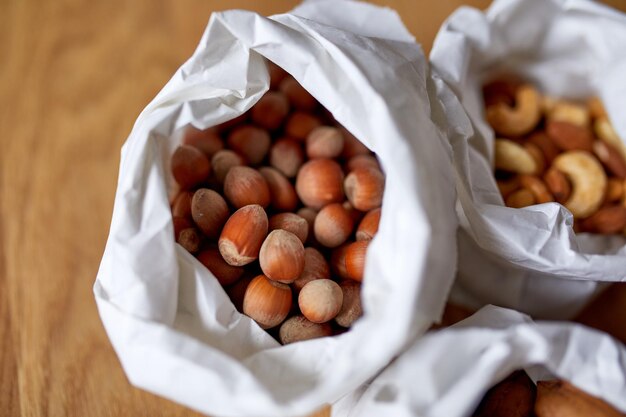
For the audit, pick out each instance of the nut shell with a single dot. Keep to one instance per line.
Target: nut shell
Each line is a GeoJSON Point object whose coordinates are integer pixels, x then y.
{"type": "Point", "coordinates": [244, 186]}
{"type": "Point", "coordinates": [369, 225]}
{"type": "Point", "coordinates": [271, 110]}
{"type": "Point", "coordinates": [320, 300]}
{"type": "Point", "coordinates": [351, 308]}
{"type": "Point", "coordinates": [207, 141]}
{"type": "Point", "coordinates": [298, 329]}
{"type": "Point", "coordinates": [320, 182]}
{"type": "Point", "coordinates": [251, 142]}
{"type": "Point", "coordinates": [181, 207]}
{"type": "Point", "coordinates": [364, 188]}
{"type": "Point", "coordinates": [300, 124]}
{"type": "Point", "coordinates": [226, 274]}
{"type": "Point", "coordinates": [315, 267]}
{"type": "Point", "coordinates": [282, 194]}
{"type": "Point", "coordinates": [296, 94]}
{"type": "Point", "coordinates": [223, 161]}
{"type": "Point", "coordinates": [189, 166]}
{"type": "Point", "coordinates": [282, 256]}
{"type": "Point", "coordinates": [267, 302]}
{"type": "Point", "coordinates": [290, 222]}
{"type": "Point", "coordinates": [209, 211]}
{"type": "Point", "coordinates": [287, 156]}
{"type": "Point", "coordinates": [243, 234]}
{"type": "Point", "coordinates": [333, 225]}
{"type": "Point", "coordinates": [355, 259]}
{"type": "Point", "coordinates": [324, 142]}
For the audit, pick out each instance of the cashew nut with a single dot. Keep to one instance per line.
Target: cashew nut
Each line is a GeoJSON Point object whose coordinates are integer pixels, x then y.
{"type": "Point", "coordinates": [588, 181]}
{"type": "Point", "coordinates": [518, 120]}
{"type": "Point", "coordinates": [564, 111]}
{"type": "Point", "coordinates": [605, 131]}
{"type": "Point", "coordinates": [511, 157]}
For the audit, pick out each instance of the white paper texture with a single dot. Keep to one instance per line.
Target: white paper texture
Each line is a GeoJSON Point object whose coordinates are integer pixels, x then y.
{"type": "Point", "coordinates": [174, 329]}
{"type": "Point", "coordinates": [528, 259]}
{"type": "Point", "coordinates": [447, 372]}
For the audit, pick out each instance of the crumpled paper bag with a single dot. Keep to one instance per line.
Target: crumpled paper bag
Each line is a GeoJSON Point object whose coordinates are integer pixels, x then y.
{"type": "Point", "coordinates": [173, 327]}
{"type": "Point", "coordinates": [447, 372]}
{"type": "Point", "coordinates": [528, 259]}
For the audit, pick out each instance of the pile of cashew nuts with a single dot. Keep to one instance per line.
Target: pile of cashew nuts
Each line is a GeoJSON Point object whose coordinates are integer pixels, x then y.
{"type": "Point", "coordinates": [552, 150]}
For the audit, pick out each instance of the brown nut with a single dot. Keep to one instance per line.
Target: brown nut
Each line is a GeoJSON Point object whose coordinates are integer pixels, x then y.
{"type": "Point", "coordinates": [251, 142]}
{"type": "Point", "coordinates": [614, 190]}
{"type": "Point", "coordinates": [607, 220]}
{"type": "Point", "coordinates": [355, 214]}
{"type": "Point", "coordinates": [358, 161]}
{"type": "Point", "coordinates": [558, 185]}
{"type": "Point", "coordinates": [351, 308]}
{"type": "Point", "coordinates": [282, 194]}
{"type": "Point", "coordinates": [244, 186]}
{"type": "Point", "coordinates": [537, 155]}
{"type": "Point", "coordinates": [207, 141]}
{"type": "Point", "coordinates": [270, 111]}
{"type": "Point", "coordinates": [315, 267]}
{"type": "Point", "coordinates": [308, 214]}
{"type": "Point", "coordinates": [223, 161]}
{"type": "Point", "coordinates": [355, 259]}
{"type": "Point", "coordinates": [189, 166]}
{"type": "Point", "coordinates": [298, 329]}
{"type": "Point", "coordinates": [369, 225]}
{"type": "Point", "coordinates": [564, 111]}
{"type": "Point", "coordinates": [506, 187]}
{"type": "Point", "coordinates": [237, 291]}
{"type": "Point", "coordinates": [226, 274]}
{"type": "Point", "coordinates": [364, 188]}
{"type": "Point", "coordinates": [243, 234]}
{"type": "Point", "coordinates": [501, 90]}
{"type": "Point", "coordinates": [537, 188]}
{"type": "Point", "coordinates": [287, 156]}
{"type": "Point", "coordinates": [181, 207]}
{"type": "Point", "coordinates": [520, 198]}
{"type": "Point", "coordinates": [333, 225]}
{"type": "Point", "coordinates": [282, 256]}
{"type": "Point", "coordinates": [320, 182]}
{"type": "Point", "coordinates": [512, 397]}
{"type": "Point", "coordinates": [512, 157]}
{"type": "Point", "coordinates": [297, 95]}
{"type": "Point", "coordinates": [267, 302]}
{"type": "Point", "coordinates": [545, 144]}
{"type": "Point", "coordinates": [189, 239]}
{"type": "Point", "coordinates": [300, 124]}
{"type": "Point", "coordinates": [277, 75]}
{"type": "Point", "coordinates": [290, 222]}
{"type": "Point", "coordinates": [562, 399]}
{"type": "Point", "coordinates": [610, 158]}
{"type": "Point", "coordinates": [320, 300]}
{"type": "Point", "coordinates": [180, 224]}
{"type": "Point", "coordinates": [352, 146]}
{"type": "Point", "coordinates": [324, 142]}
{"type": "Point", "coordinates": [570, 137]}
{"type": "Point", "coordinates": [338, 261]}
{"type": "Point", "coordinates": [606, 312]}
{"type": "Point", "coordinates": [518, 120]}
{"type": "Point", "coordinates": [605, 131]}
{"type": "Point", "coordinates": [209, 211]}
{"type": "Point", "coordinates": [232, 123]}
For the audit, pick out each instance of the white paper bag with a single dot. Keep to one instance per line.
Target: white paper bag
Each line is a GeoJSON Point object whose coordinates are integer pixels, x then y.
{"type": "Point", "coordinates": [447, 372]}
{"type": "Point", "coordinates": [174, 329]}
{"type": "Point", "coordinates": [528, 259]}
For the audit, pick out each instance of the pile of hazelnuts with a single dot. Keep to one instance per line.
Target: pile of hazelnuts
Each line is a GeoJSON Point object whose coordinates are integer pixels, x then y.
{"type": "Point", "coordinates": [280, 204]}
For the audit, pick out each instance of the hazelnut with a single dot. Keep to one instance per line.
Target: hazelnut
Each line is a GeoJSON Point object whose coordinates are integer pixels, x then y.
{"type": "Point", "coordinates": [243, 235]}
{"type": "Point", "coordinates": [244, 186]}
{"type": "Point", "coordinates": [297, 95]}
{"type": "Point", "coordinates": [287, 156]}
{"type": "Point", "coordinates": [209, 211]}
{"type": "Point", "coordinates": [351, 308]}
{"type": "Point", "coordinates": [180, 224]}
{"type": "Point", "coordinates": [282, 256]}
{"type": "Point", "coordinates": [207, 141]}
{"type": "Point", "coordinates": [355, 259]}
{"type": "Point", "coordinates": [308, 214]}
{"type": "Point", "coordinates": [237, 291]}
{"type": "Point", "coordinates": [364, 188]}
{"type": "Point", "coordinates": [315, 267]}
{"type": "Point", "coordinates": [189, 239]}
{"type": "Point", "coordinates": [213, 261]}
{"type": "Point", "coordinates": [267, 302]}
{"type": "Point", "coordinates": [290, 222]}
{"type": "Point", "coordinates": [300, 124]}
{"type": "Point", "coordinates": [271, 110]}
{"type": "Point", "coordinates": [223, 161]}
{"type": "Point", "coordinates": [324, 142]}
{"type": "Point", "coordinates": [352, 146]}
{"type": "Point", "coordinates": [355, 214]}
{"type": "Point", "coordinates": [277, 75]}
{"type": "Point", "coordinates": [369, 225]}
{"type": "Point", "coordinates": [181, 207]}
{"type": "Point", "coordinates": [320, 300]}
{"type": "Point", "coordinates": [298, 329]}
{"type": "Point", "coordinates": [282, 194]}
{"type": "Point", "coordinates": [190, 166]}
{"type": "Point", "coordinates": [251, 142]}
{"type": "Point", "coordinates": [333, 225]}
{"type": "Point", "coordinates": [320, 182]}
{"type": "Point", "coordinates": [360, 161]}
{"type": "Point", "coordinates": [232, 123]}
{"type": "Point", "coordinates": [338, 261]}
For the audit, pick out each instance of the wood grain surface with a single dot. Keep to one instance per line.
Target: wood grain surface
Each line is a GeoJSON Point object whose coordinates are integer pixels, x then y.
{"type": "Point", "coordinates": [74, 76]}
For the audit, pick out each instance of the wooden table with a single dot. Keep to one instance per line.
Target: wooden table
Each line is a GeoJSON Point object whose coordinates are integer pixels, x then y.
{"type": "Point", "coordinates": [74, 76]}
